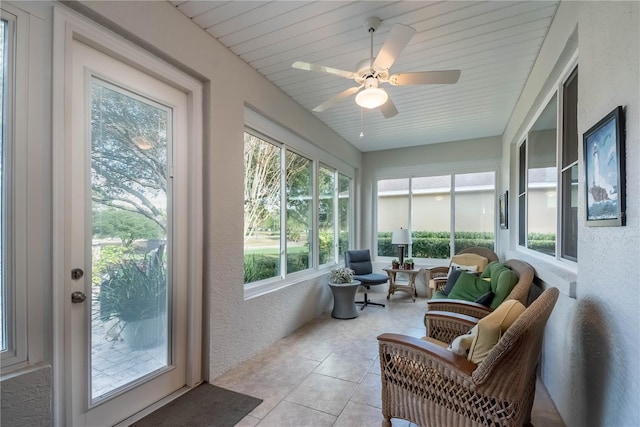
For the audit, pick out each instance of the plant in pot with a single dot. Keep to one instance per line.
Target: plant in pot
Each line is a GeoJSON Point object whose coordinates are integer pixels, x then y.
{"type": "Point", "coordinates": [135, 292]}
{"type": "Point", "coordinates": [341, 275]}
{"type": "Point", "coordinates": [408, 264]}
{"type": "Point", "coordinates": [395, 264]}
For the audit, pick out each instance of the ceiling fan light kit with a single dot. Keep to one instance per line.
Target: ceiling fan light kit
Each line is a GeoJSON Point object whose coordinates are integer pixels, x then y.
{"type": "Point", "coordinates": [370, 73]}
{"type": "Point", "coordinates": [371, 98]}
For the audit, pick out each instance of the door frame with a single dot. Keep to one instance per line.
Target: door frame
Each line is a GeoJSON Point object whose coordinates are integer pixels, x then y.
{"type": "Point", "coordinates": [67, 26]}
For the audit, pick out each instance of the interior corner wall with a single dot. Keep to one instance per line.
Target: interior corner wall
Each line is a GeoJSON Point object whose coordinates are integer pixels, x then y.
{"type": "Point", "coordinates": [590, 350]}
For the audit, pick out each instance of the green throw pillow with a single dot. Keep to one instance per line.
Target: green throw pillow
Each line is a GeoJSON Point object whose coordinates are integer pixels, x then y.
{"type": "Point", "coordinates": [507, 280]}
{"type": "Point", "coordinates": [439, 295]}
{"type": "Point", "coordinates": [488, 270]}
{"type": "Point", "coordinates": [495, 275]}
{"type": "Point", "coordinates": [469, 287]}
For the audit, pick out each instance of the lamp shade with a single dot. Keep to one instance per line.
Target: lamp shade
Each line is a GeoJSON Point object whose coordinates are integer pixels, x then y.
{"type": "Point", "coordinates": [401, 237]}
{"type": "Point", "coordinates": [372, 97]}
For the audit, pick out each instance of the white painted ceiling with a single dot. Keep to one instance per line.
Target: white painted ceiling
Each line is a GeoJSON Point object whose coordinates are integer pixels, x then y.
{"type": "Point", "coordinates": [494, 44]}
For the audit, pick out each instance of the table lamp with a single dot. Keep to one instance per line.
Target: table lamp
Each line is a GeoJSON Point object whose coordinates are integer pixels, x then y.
{"type": "Point", "coordinates": [401, 237]}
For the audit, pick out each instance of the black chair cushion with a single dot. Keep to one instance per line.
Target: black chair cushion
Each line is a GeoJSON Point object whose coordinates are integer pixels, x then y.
{"type": "Point", "coordinates": [371, 279]}
{"type": "Point", "coordinates": [359, 261]}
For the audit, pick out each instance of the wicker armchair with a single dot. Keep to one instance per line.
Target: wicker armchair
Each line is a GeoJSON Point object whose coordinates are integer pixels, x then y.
{"type": "Point", "coordinates": [519, 292]}
{"type": "Point", "coordinates": [428, 385]}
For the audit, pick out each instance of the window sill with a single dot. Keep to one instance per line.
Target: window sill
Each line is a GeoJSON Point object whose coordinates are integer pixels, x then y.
{"type": "Point", "coordinates": [558, 273]}
{"type": "Point", "coordinates": [255, 290]}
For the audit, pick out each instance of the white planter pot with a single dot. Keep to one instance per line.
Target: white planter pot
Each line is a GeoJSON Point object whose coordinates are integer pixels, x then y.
{"type": "Point", "coordinates": [145, 333]}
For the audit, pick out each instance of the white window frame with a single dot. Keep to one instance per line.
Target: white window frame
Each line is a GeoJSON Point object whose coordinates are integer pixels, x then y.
{"type": "Point", "coordinates": [24, 344]}
{"type": "Point", "coordinates": [287, 140]}
{"type": "Point", "coordinates": [410, 174]}
{"type": "Point", "coordinates": [556, 89]}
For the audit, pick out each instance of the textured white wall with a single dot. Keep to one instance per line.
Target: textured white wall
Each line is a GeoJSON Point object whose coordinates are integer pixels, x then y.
{"type": "Point", "coordinates": [591, 347]}
{"type": "Point", "coordinates": [26, 399]}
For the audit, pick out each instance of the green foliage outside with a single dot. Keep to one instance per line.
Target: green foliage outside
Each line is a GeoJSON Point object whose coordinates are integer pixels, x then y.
{"type": "Point", "coordinates": [435, 244]}
{"type": "Point", "coordinates": [126, 225]}
{"type": "Point", "coordinates": [110, 256]}
{"type": "Point", "coordinates": [265, 265]}
{"type": "Point", "coordinates": [135, 289]}
{"type": "Point", "coordinates": [542, 242]}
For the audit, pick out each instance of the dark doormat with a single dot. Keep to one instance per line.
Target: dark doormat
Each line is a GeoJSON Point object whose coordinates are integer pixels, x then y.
{"type": "Point", "coordinates": [205, 405]}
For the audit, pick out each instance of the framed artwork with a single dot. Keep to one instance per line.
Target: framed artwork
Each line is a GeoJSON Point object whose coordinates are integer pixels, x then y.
{"type": "Point", "coordinates": [603, 149]}
{"type": "Point", "coordinates": [503, 208]}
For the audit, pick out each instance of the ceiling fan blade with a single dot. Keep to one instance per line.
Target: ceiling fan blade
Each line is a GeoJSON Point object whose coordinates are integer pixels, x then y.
{"type": "Point", "coordinates": [398, 38]}
{"type": "Point", "coordinates": [335, 99]}
{"type": "Point", "coordinates": [321, 69]}
{"type": "Point", "coordinates": [388, 109]}
{"type": "Point", "coordinates": [425, 78]}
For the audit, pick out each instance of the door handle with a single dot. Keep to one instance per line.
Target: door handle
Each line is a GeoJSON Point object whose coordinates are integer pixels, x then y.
{"type": "Point", "coordinates": [77, 297]}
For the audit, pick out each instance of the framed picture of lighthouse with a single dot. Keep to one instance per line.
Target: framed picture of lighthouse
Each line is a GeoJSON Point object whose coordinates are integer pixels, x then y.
{"type": "Point", "coordinates": [603, 149]}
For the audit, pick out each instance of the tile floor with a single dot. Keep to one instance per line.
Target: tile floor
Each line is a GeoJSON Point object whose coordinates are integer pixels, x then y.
{"type": "Point", "coordinates": [327, 372]}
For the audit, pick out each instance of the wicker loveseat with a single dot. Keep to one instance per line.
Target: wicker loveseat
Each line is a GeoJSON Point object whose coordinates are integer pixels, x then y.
{"type": "Point", "coordinates": [520, 292]}
{"type": "Point", "coordinates": [428, 385]}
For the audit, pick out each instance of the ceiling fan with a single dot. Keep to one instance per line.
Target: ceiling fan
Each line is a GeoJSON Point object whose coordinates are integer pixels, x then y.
{"type": "Point", "coordinates": [371, 73]}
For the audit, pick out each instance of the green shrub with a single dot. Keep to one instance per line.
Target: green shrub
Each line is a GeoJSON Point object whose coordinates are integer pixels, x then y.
{"type": "Point", "coordinates": [260, 266]}
{"type": "Point", "coordinates": [435, 244]}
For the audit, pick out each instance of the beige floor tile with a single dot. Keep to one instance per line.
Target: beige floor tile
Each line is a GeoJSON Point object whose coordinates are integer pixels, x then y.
{"type": "Point", "coordinates": [369, 391]}
{"type": "Point", "coordinates": [345, 367]}
{"type": "Point", "coordinates": [248, 421]}
{"type": "Point", "coordinates": [288, 414]}
{"type": "Point", "coordinates": [359, 415]}
{"type": "Point", "coordinates": [326, 394]}
{"type": "Point", "coordinates": [544, 412]}
{"type": "Point", "coordinates": [328, 372]}
{"type": "Point", "coordinates": [375, 367]}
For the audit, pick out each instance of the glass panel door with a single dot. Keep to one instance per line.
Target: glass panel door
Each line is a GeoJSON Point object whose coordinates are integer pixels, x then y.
{"type": "Point", "coordinates": [130, 136]}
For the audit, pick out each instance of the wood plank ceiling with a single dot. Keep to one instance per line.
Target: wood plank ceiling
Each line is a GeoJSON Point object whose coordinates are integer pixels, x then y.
{"type": "Point", "coordinates": [494, 44]}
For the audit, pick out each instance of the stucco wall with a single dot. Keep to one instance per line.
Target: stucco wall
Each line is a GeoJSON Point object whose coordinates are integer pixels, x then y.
{"type": "Point", "coordinates": [591, 348]}
{"type": "Point", "coordinates": [26, 399]}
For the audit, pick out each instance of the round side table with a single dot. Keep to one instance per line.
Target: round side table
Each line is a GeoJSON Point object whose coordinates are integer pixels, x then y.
{"type": "Point", "coordinates": [344, 296]}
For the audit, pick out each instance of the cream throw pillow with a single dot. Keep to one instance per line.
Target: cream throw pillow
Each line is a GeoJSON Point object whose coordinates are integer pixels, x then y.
{"type": "Point", "coordinates": [491, 328]}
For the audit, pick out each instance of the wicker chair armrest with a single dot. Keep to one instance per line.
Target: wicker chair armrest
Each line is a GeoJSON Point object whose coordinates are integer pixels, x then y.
{"type": "Point", "coordinates": [446, 326]}
{"type": "Point", "coordinates": [469, 308]}
{"type": "Point", "coordinates": [438, 272]}
{"type": "Point", "coordinates": [391, 345]}
{"type": "Point", "coordinates": [438, 283]}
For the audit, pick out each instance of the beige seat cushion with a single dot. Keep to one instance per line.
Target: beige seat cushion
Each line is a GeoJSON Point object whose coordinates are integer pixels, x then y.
{"type": "Point", "coordinates": [491, 328]}
{"type": "Point", "coordinates": [470, 260]}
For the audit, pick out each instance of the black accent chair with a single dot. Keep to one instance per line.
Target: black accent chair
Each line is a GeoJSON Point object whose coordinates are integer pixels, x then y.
{"type": "Point", "coordinates": [360, 262]}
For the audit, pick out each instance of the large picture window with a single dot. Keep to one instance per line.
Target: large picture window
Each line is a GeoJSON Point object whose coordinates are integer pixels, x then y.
{"type": "Point", "coordinates": [316, 215]}
{"type": "Point", "coordinates": [547, 197]}
{"type": "Point", "coordinates": [445, 213]}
